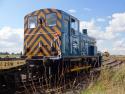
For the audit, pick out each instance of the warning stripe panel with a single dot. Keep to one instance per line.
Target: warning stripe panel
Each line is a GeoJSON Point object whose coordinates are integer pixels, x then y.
{"type": "Point", "coordinates": [59, 17]}
{"type": "Point", "coordinates": [41, 14]}
{"type": "Point", "coordinates": [25, 23]}
{"type": "Point", "coordinates": [45, 49]}
{"type": "Point", "coordinates": [31, 37]}
{"type": "Point", "coordinates": [32, 48]}
{"type": "Point", "coordinates": [59, 24]}
{"type": "Point", "coordinates": [46, 11]}
{"type": "Point", "coordinates": [26, 32]}
{"type": "Point", "coordinates": [36, 13]}
{"type": "Point", "coordinates": [26, 18]}
{"type": "Point", "coordinates": [53, 34]}
{"type": "Point", "coordinates": [26, 26]}
{"type": "Point", "coordinates": [43, 53]}
{"type": "Point", "coordinates": [38, 39]}
{"type": "Point", "coordinates": [28, 38]}
{"type": "Point", "coordinates": [36, 52]}
{"type": "Point", "coordinates": [35, 38]}
{"type": "Point", "coordinates": [46, 35]}
{"type": "Point", "coordinates": [58, 13]}
{"type": "Point", "coordinates": [45, 38]}
{"type": "Point", "coordinates": [58, 21]}
{"type": "Point", "coordinates": [57, 30]}
{"type": "Point", "coordinates": [43, 34]}
{"type": "Point", "coordinates": [32, 31]}
{"type": "Point", "coordinates": [51, 30]}
{"type": "Point", "coordinates": [48, 31]}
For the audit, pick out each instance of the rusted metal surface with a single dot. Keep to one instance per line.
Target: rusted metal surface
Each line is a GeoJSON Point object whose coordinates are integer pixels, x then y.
{"type": "Point", "coordinates": [8, 63]}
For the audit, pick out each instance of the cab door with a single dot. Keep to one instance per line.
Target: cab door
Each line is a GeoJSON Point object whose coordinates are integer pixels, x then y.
{"type": "Point", "coordinates": [74, 36]}
{"type": "Point", "coordinates": [65, 36]}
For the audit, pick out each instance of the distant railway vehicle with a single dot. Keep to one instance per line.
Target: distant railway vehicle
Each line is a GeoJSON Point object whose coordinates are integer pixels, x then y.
{"type": "Point", "coordinates": [107, 54]}
{"type": "Point", "coordinates": [54, 49]}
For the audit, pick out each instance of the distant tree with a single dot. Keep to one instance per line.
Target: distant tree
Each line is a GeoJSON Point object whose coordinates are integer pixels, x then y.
{"type": "Point", "coordinates": [13, 53]}
{"type": "Point", "coordinates": [21, 53]}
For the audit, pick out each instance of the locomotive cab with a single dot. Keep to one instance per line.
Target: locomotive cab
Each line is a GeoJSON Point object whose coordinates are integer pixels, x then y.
{"type": "Point", "coordinates": [70, 35]}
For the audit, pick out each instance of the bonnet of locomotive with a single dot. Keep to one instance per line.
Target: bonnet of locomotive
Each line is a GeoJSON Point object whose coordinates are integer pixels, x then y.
{"type": "Point", "coordinates": [92, 48]}
{"type": "Point", "coordinates": [88, 45]}
{"type": "Point", "coordinates": [42, 32]}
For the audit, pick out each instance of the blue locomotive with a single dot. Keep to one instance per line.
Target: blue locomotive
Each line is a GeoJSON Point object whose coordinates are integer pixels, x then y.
{"type": "Point", "coordinates": [54, 33]}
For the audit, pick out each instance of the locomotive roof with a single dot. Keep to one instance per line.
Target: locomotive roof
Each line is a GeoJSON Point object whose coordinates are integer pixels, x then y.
{"type": "Point", "coordinates": [51, 9]}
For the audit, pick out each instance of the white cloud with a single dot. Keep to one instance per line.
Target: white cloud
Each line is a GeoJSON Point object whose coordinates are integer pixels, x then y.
{"type": "Point", "coordinates": [72, 11]}
{"type": "Point", "coordinates": [101, 20]}
{"type": "Point", "coordinates": [11, 39]}
{"type": "Point", "coordinates": [120, 43]}
{"type": "Point", "coordinates": [109, 17]}
{"type": "Point", "coordinates": [119, 46]}
{"type": "Point", "coordinates": [117, 23]}
{"type": "Point", "coordinates": [95, 31]}
{"type": "Point", "coordinates": [111, 37]}
{"type": "Point", "coordinates": [87, 9]}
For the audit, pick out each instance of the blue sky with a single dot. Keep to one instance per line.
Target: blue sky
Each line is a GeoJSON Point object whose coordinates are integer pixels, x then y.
{"type": "Point", "coordinates": [13, 11]}
{"type": "Point", "coordinates": [99, 16]}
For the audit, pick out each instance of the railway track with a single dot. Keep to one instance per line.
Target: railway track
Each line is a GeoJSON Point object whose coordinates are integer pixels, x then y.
{"type": "Point", "coordinates": [112, 63]}
{"type": "Point", "coordinates": [80, 82]}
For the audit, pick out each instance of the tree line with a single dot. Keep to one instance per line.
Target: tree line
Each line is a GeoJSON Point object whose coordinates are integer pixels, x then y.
{"type": "Point", "coordinates": [7, 53]}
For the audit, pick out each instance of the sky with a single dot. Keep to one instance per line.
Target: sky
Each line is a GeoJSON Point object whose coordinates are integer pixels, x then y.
{"type": "Point", "coordinates": [104, 19]}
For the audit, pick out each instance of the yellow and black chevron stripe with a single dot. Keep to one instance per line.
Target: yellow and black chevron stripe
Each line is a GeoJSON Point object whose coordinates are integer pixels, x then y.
{"type": "Point", "coordinates": [42, 34]}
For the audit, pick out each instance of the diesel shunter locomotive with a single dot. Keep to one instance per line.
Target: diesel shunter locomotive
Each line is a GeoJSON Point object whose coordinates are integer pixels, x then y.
{"type": "Point", "coordinates": [54, 34]}
{"type": "Point", "coordinates": [54, 52]}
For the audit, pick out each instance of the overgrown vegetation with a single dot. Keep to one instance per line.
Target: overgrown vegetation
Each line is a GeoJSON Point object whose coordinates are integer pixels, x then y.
{"type": "Point", "coordinates": [109, 82]}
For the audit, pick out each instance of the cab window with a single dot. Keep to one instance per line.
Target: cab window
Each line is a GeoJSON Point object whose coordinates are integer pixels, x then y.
{"type": "Point", "coordinates": [74, 26]}
{"type": "Point", "coordinates": [51, 19]}
{"type": "Point", "coordinates": [32, 22]}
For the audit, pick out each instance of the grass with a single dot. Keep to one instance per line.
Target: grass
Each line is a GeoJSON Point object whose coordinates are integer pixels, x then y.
{"type": "Point", "coordinates": [10, 56]}
{"type": "Point", "coordinates": [109, 82]}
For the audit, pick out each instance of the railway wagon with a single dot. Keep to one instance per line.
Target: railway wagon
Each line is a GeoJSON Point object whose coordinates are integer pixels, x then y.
{"type": "Point", "coordinates": [54, 50]}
